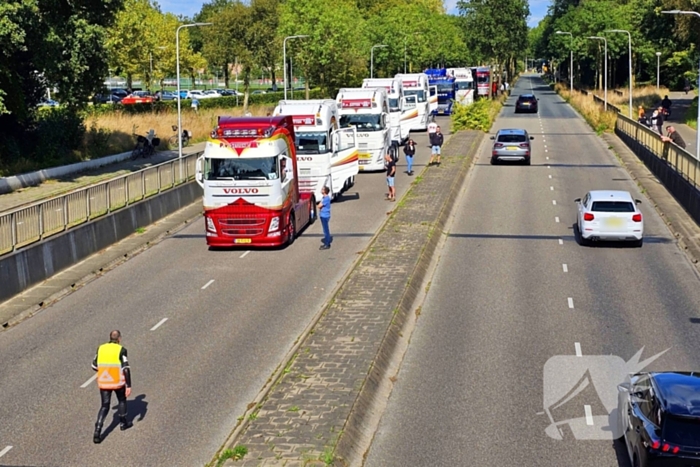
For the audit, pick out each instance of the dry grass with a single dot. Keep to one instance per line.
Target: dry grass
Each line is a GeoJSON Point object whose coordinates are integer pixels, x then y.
{"type": "Point", "coordinates": [113, 133]}
{"type": "Point", "coordinates": [646, 96]}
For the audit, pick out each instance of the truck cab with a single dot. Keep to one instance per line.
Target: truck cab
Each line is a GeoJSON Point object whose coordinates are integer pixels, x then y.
{"type": "Point", "coordinates": [445, 85]}
{"type": "Point", "coordinates": [327, 155]}
{"type": "Point", "coordinates": [250, 178]}
{"type": "Point", "coordinates": [464, 85]}
{"type": "Point", "coordinates": [416, 84]}
{"type": "Point", "coordinates": [368, 111]}
{"type": "Point", "coordinates": [399, 107]}
{"type": "Point", "coordinates": [483, 80]}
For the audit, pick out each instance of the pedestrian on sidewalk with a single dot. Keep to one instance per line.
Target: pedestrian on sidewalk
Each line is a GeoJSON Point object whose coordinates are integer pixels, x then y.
{"type": "Point", "coordinates": [324, 207]}
{"type": "Point", "coordinates": [436, 140]}
{"type": "Point", "coordinates": [673, 137]}
{"type": "Point", "coordinates": [113, 375]}
{"type": "Point", "coordinates": [409, 150]}
{"type": "Point", "coordinates": [642, 115]}
{"type": "Point", "coordinates": [657, 121]}
{"type": "Point", "coordinates": [390, 174]}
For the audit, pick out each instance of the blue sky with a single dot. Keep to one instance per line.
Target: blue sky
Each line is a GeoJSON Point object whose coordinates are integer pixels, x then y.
{"type": "Point", "coordinates": [538, 8]}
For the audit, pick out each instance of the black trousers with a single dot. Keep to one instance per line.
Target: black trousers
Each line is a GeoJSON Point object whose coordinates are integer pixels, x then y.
{"type": "Point", "coordinates": [106, 397]}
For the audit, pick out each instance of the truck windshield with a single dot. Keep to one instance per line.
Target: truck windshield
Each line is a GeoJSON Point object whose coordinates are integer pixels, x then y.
{"type": "Point", "coordinates": [260, 168]}
{"type": "Point", "coordinates": [420, 94]}
{"type": "Point", "coordinates": [394, 105]}
{"type": "Point", "coordinates": [445, 88]}
{"type": "Point", "coordinates": [482, 79]}
{"type": "Point", "coordinates": [461, 85]}
{"type": "Point", "coordinates": [311, 143]}
{"type": "Point", "coordinates": [362, 122]}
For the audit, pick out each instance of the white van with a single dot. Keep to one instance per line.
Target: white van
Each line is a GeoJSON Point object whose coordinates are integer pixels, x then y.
{"type": "Point", "coordinates": [326, 154]}
{"type": "Point", "coordinates": [397, 102]}
{"type": "Point", "coordinates": [464, 85]}
{"type": "Point", "coordinates": [416, 84]}
{"type": "Point", "coordinates": [368, 111]}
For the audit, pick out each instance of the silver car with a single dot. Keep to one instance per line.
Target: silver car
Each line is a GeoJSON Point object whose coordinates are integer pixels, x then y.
{"type": "Point", "coordinates": [512, 146]}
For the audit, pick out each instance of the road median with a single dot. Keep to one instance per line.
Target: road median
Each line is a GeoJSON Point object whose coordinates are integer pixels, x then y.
{"type": "Point", "coordinates": [315, 413]}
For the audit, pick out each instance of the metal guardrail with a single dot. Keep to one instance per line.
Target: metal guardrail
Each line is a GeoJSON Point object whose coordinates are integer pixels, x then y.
{"type": "Point", "coordinates": [37, 221]}
{"type": "Point", "coordinates": [683, 162]}
{"type": "Point", "coordinates": [601, 101]}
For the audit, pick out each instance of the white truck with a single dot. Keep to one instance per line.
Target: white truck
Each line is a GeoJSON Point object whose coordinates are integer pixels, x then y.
{"type": "Point", "coordinates": [368, 111]}
{"type": "Point", "coordinates": [464, 85]}
{"type": "Point", "coordinates": [326, 154]}
{"type": "Point", "coordinates": [399, 108]}
{"type": "Point", "coordinates": [416, 84]}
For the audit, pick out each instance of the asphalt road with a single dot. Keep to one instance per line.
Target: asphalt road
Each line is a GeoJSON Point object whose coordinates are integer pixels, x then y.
{"type": "Point", "coordinates": [514, 289]}
{"type": "Point", "coordinates": [193, 374]}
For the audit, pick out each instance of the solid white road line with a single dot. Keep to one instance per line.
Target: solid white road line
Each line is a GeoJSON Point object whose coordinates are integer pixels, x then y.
{"type": "Point", "coordinates": [87, 383]}
{"type": "Point", "coordinates": [565, 267]}
{"type": "Point", "coordinates": [556, 219]}
{"type": "Point", "coordinates": [554, 202]}
{"type": "Point", "coordinates": [159, 324]}
{"type": "Point", "coordinates": [244, 254]}
{"type": "Point", "coordinates": [589, 415]}
{"type": "Point", "coordinates": [561, 242]}
{"type": "Point", "coordinates": [208, 284]}
{"type": "Point", "coordinates": [577, 345]}
{"type": "Point", "coordinates": [5, 451]}
{"type": "Point", "coordinates": [571, 302]}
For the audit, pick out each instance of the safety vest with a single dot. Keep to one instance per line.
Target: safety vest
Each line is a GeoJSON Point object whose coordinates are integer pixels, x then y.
{"type": "Point", "coordinates": [109, 366]}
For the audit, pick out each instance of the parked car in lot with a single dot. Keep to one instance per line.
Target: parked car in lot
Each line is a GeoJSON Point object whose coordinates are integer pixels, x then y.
{"type": "Point", "coordinates": [511, 145]}
{"type": "Point", "coordinates": [195, 94]}
{"type": "Point", "coordinates": [609, 215]}
{"type": "Point", "coordinates": [211, 93]}
{"type": "Point", "coordinates": [259, 91]}
{"type": "Point", "coordinates": [48, 103]}
{"type": "Point", "coordinates": [165, 95]}
{"type": "Point", "coordinates": [526, 103]}
{"type": "Point", "coordinates": [138, 97]}
{"type": "Point", "coordinates": [106, 99]}
{"type": "Point", "coordinates": [228, 92]}
{"type": "Point", "coordinates": [659, 415]}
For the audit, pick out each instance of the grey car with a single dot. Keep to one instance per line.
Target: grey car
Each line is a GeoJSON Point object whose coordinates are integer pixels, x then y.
{"type": "Point", "coordinates": [512, 146]}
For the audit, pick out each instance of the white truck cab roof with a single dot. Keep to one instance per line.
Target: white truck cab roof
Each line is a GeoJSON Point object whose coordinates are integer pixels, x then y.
{"type": "Point", "coordinates": [310, 115]}
{"type": "Point", "coordinates": [370, 100]}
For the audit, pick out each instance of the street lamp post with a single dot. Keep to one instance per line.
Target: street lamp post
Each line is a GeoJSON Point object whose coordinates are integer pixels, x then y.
{"type": "Point", "coordinates": [179, 109]}
{"type": "Point", "coordinates": [630, 61]}
{"type": "Point", "coordinates": [571, 65]}
{"type": "Point", "coordinates": [371, 65]}
{"type": "Point", "coordinates": [697, 137]}
{"type": "Point", "coordinates": [284, 58]}
{"type": "Point", "coordinates": [658, 69]}
{"type": "Point", "coordinates": [605, 79]}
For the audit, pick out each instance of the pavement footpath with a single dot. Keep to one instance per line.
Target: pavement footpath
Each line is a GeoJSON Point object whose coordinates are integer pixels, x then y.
{"type": "Point", "coordinates": [679, 107]}
{"type": "Point", "coordinates": [314, 414]}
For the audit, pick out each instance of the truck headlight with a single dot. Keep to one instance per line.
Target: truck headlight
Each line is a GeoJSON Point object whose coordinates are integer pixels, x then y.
{"type": "Point", "coordinates": [210, 225]}
{"type": "Point", "coordinates": [274, 224]}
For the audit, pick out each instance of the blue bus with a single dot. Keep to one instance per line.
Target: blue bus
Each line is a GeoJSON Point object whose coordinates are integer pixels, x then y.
{"type": "Point", "coordinates": [445, 89]}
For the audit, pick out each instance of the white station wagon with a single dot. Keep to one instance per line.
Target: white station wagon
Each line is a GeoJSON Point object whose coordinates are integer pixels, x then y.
{"type": "Point", "coordinates": [609, 215]}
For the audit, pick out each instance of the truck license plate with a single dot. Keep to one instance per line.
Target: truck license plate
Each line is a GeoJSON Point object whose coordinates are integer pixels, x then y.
{"type": "Point", "coordinates": [242, 240]}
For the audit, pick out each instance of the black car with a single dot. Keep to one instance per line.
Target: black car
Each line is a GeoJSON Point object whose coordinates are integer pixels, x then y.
{"type": "Point", "coordinates": [526, 103]}
{"type": "Point", "coordinates": [660, 419]}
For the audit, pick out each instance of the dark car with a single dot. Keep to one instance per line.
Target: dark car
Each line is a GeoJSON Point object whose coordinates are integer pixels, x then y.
{"type": "Point", "coordinates": [526, 103]}
{"type": "Point", "coordinates": [660, 419]}
{"type": "Point", "coordinates": [106, 98]}
{"type": "Point", "coordinates": [511, 145]}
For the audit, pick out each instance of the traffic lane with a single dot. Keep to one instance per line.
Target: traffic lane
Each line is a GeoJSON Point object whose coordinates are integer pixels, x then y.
{"type": "Point", "coordinates": [154, 285]}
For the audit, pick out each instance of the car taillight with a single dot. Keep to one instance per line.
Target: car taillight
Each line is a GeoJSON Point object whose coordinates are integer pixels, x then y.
{"type": "Point", "coordinates": [666, 447]}
{"type": "Point", "coordinates": [524, 145]}
{"type": "Point", "coordinates": [588, 216]}
{"type": "Point", "coordinates": [498, 145]}
{"type": "Point", "coordinates": [637, 218]}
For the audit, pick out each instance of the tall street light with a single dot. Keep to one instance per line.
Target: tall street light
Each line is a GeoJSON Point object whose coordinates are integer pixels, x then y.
{"type": "Point", "coordinates": [284, 59]}
{"type": "Point", "coordinates": [179, 109]}
{"type": "Point", "coordinates": [658, 69]}
{"type": "Point", "coordinates": [630, 60]}
{"type": "Point", "coordinates": [404, 50]}
{"type": "Point", "coordinates": [605, 80]}
{"type": "Point", "coordinates": [371, 65]}
{"type": "Point", "coordinates": [571, 65]}
{"type": "Point", "coordinates": [683, 12]}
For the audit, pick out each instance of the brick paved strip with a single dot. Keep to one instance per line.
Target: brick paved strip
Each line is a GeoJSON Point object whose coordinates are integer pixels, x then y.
{"type": "Point", "coordinates": [315, 412]}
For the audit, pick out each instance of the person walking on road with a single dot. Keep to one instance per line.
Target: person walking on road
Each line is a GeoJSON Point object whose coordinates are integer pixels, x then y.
{"type": "Point", "coordinates": [390, 174]}
{"type": "Point", "coordinates": [324, 207]}
{"type": "Point", "coordinates": [436, 140]}
{"type": "Point", "coordinates": [673, 137]}
{"type": "Point", "coordinates": [409, 150]}
{"type": "Point", "coordinates": [113, 375]}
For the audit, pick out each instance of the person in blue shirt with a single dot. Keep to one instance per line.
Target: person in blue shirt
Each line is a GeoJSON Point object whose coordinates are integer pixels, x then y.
{"type": "Point", "coordinates": [324, 207]}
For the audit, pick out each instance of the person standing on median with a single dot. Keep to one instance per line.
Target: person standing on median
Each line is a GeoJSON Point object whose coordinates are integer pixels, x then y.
{"type": "Point", "coordinates": [409, 150]}
{"type": "Point", "coordinates": [324, 207]}
{"type": "Point", "coordinates": [436, 140]}
{"type": "Point", "coordinates": [113, 375]}
{"type": "Point", "coordinates": [390, 174]}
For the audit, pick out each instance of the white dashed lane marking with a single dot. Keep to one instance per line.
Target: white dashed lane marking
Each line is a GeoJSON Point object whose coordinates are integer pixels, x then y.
{"type": "Point", "coordinates": [577, 346]}
{"type": "Point", "coordinates": [554, 202]}
{"type": "Point", "coordinates": [571, 302]}
{"type": "Point", "coordinates": [208, 284]}
{"type": "Point", "coordinates": [159, 324]}
{"type": "Point", "coordinates": [589, 414]}
{"type": "Point", "coordinates": [87, 383]}
{"type": "Point", "coordinates": [244, 254]}
{"type": "Point", "coordinates": [565, 267]}
{"type": "Point", "coordinates": [5, 451]}
{"type": "Point", "coordinates": [561, 242]}
{"type": "Point", "coordinates": [556, 219]}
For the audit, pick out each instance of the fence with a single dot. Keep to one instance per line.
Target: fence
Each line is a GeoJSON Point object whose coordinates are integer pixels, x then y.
{"type": "Point", "coordinates": [43, 219]}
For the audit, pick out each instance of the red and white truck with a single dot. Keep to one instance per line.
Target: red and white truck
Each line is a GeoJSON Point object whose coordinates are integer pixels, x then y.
{"type": "Point", "coordinates": [251, 184]}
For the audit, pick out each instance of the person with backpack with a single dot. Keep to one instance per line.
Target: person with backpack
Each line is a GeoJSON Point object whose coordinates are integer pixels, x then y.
{"type": "Point", "coordinates": [409, 150]}
{"type": "Point", "coordinates": [436, 140]}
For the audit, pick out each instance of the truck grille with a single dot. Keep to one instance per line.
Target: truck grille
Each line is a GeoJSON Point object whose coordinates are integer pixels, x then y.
{"type": "Point", "coordinates": [242, 227]}
{"type": "Point", "coordinates": [242, 222]}
{"type": "Point", "coordinates": [242, 232]}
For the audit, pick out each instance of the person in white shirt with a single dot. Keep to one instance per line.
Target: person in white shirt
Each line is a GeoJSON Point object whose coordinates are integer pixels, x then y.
{"type": "Point", "coordinates": [432, 127]}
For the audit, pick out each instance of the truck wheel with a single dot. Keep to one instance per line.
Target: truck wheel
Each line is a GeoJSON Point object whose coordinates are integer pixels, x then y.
{"type": "Point", "coordinates": [351, 183]}
{"type": "Point", "coordinates": [312, 211]}
{"type": "Point", "coordinates": [292, 230]}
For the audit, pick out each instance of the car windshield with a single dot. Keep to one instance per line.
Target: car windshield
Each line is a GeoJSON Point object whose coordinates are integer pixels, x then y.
{"type": "Point", "coordinates": [311, 143]}
{"type": "Point", "coordinates": [512, 138]}
{"type": "Point", "coordinates": [362, 122]}
{"type": "Point", "coordinates": [260, 168]}
{"type": "Point", "coordinates": [464, 85]}
{"type": "Point", "coordinates": [394, 105]}
{"type": "Point", "coordinates": [445, 87]}
{"type": "Point", "coordinates": [420, 95]}
{"type": "Point", "coordinates": [682, 431]}
{"type": "Point", "coordinates": [612, 206]}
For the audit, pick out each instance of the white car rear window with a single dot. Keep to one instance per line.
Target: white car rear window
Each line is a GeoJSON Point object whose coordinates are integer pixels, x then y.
{"type": "Point", "coordinates": [612, 206]}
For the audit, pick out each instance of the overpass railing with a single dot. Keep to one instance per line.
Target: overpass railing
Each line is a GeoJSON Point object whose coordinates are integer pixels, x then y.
{"type": "Point", "coordinates": [37, 221]}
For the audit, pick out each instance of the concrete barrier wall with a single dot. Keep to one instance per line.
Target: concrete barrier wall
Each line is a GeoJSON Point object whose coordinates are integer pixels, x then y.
{"type": "Point", "coordinates": [36, 263]}
{"type": "Point", "coordinates": [10, 184]}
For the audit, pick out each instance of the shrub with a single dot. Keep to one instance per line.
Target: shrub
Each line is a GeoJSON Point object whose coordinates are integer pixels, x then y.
{"type": "Point", "coordinates": [477, 116]}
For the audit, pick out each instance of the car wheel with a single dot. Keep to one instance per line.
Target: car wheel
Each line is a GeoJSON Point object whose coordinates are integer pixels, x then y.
{"type": "Point", "coordinates": [581, 241]}
{"type": "Point", "coordinates": [292, 235]}
{"type": "Point", "coordinates": [527, 162]}
{"type": "Point", "coordinates": [494, 161]}
{"type": "Point", "coordinates": [638, 243]}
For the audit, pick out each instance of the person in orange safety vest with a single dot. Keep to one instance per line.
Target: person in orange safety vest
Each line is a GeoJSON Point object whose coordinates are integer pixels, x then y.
{"type": "Point", "coordinates": [113, 375]}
